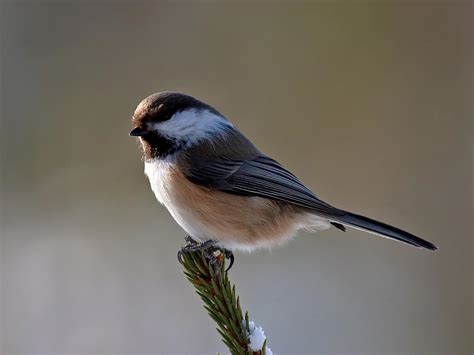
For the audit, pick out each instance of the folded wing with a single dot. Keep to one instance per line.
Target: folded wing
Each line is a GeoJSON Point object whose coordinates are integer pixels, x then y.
{"type": "Point", "coordinates": [264, 177]}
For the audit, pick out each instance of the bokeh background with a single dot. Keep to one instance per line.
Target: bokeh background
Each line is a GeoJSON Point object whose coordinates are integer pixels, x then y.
{"type": "Point", "coordinates": [370, 104]}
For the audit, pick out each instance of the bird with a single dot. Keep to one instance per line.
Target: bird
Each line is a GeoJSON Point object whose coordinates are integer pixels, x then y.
{"type": "Point", "coordinates": [222, 190]}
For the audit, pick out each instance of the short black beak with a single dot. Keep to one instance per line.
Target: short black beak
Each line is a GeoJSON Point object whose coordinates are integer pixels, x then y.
{"type": "Point", "coordinates": [137, 132]}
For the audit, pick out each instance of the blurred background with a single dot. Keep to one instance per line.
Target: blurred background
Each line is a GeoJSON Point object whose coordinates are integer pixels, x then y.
{"type": "Point", "coordinates": [369, 104]}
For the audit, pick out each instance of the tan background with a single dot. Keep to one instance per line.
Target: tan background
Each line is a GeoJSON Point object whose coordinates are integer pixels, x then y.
{"type": "Point", "coordinates": [371, 105]}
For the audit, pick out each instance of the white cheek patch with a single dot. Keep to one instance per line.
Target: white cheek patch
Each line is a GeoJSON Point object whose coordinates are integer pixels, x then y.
{"type": "Point", "coordinates": [193, 125]}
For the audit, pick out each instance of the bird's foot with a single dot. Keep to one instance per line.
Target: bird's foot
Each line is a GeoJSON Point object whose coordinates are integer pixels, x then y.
{"type": "Point", "coordinates": [212, 252]}
{"type": "Point", "coordinates": [215, 256]}
{"type": "Point", "coordinates": [192, 246]}
{"type": "Point", "coordinates": [189, 240]}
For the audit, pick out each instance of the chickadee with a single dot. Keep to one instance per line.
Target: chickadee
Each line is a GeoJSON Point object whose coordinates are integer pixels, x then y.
{"type": "Point", "coordinates": [219, 187]}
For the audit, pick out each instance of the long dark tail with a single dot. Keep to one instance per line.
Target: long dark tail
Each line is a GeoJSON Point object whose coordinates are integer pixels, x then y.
{"type": "Point", "coordinates": [375, 227]}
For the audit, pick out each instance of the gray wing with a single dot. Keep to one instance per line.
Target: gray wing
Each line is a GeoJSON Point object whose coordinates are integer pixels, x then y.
{"type": "Point", "coordinates": [260, 176]}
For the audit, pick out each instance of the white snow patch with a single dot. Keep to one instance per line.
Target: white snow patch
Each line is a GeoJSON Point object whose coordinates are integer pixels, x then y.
{"type": "Point", "coordinates": [257, 338]}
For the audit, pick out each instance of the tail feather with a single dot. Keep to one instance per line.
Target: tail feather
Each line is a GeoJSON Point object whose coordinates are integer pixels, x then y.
{"type": "Point", "coordinates": [375, 227]}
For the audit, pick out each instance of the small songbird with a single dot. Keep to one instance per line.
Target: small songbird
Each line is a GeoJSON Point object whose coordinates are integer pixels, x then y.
{"type": "Point", "coordinates": [222, 190]}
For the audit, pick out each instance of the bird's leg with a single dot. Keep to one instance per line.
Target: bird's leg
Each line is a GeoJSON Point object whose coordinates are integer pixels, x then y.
{"type": "Point", "coordinates": [192, 245]}
{"type": "Point", "coordinates": [189, 240]}
{"type": "Point", "coordinates": [209, 248]}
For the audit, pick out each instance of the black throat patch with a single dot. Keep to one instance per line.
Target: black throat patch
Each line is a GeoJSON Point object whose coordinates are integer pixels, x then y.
{"type": "Point", "coordinates": [156, 145]}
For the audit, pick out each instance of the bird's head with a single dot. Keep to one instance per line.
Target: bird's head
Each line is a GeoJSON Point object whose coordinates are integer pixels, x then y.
{"type": "Point", "coordinates": [167, 122]}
